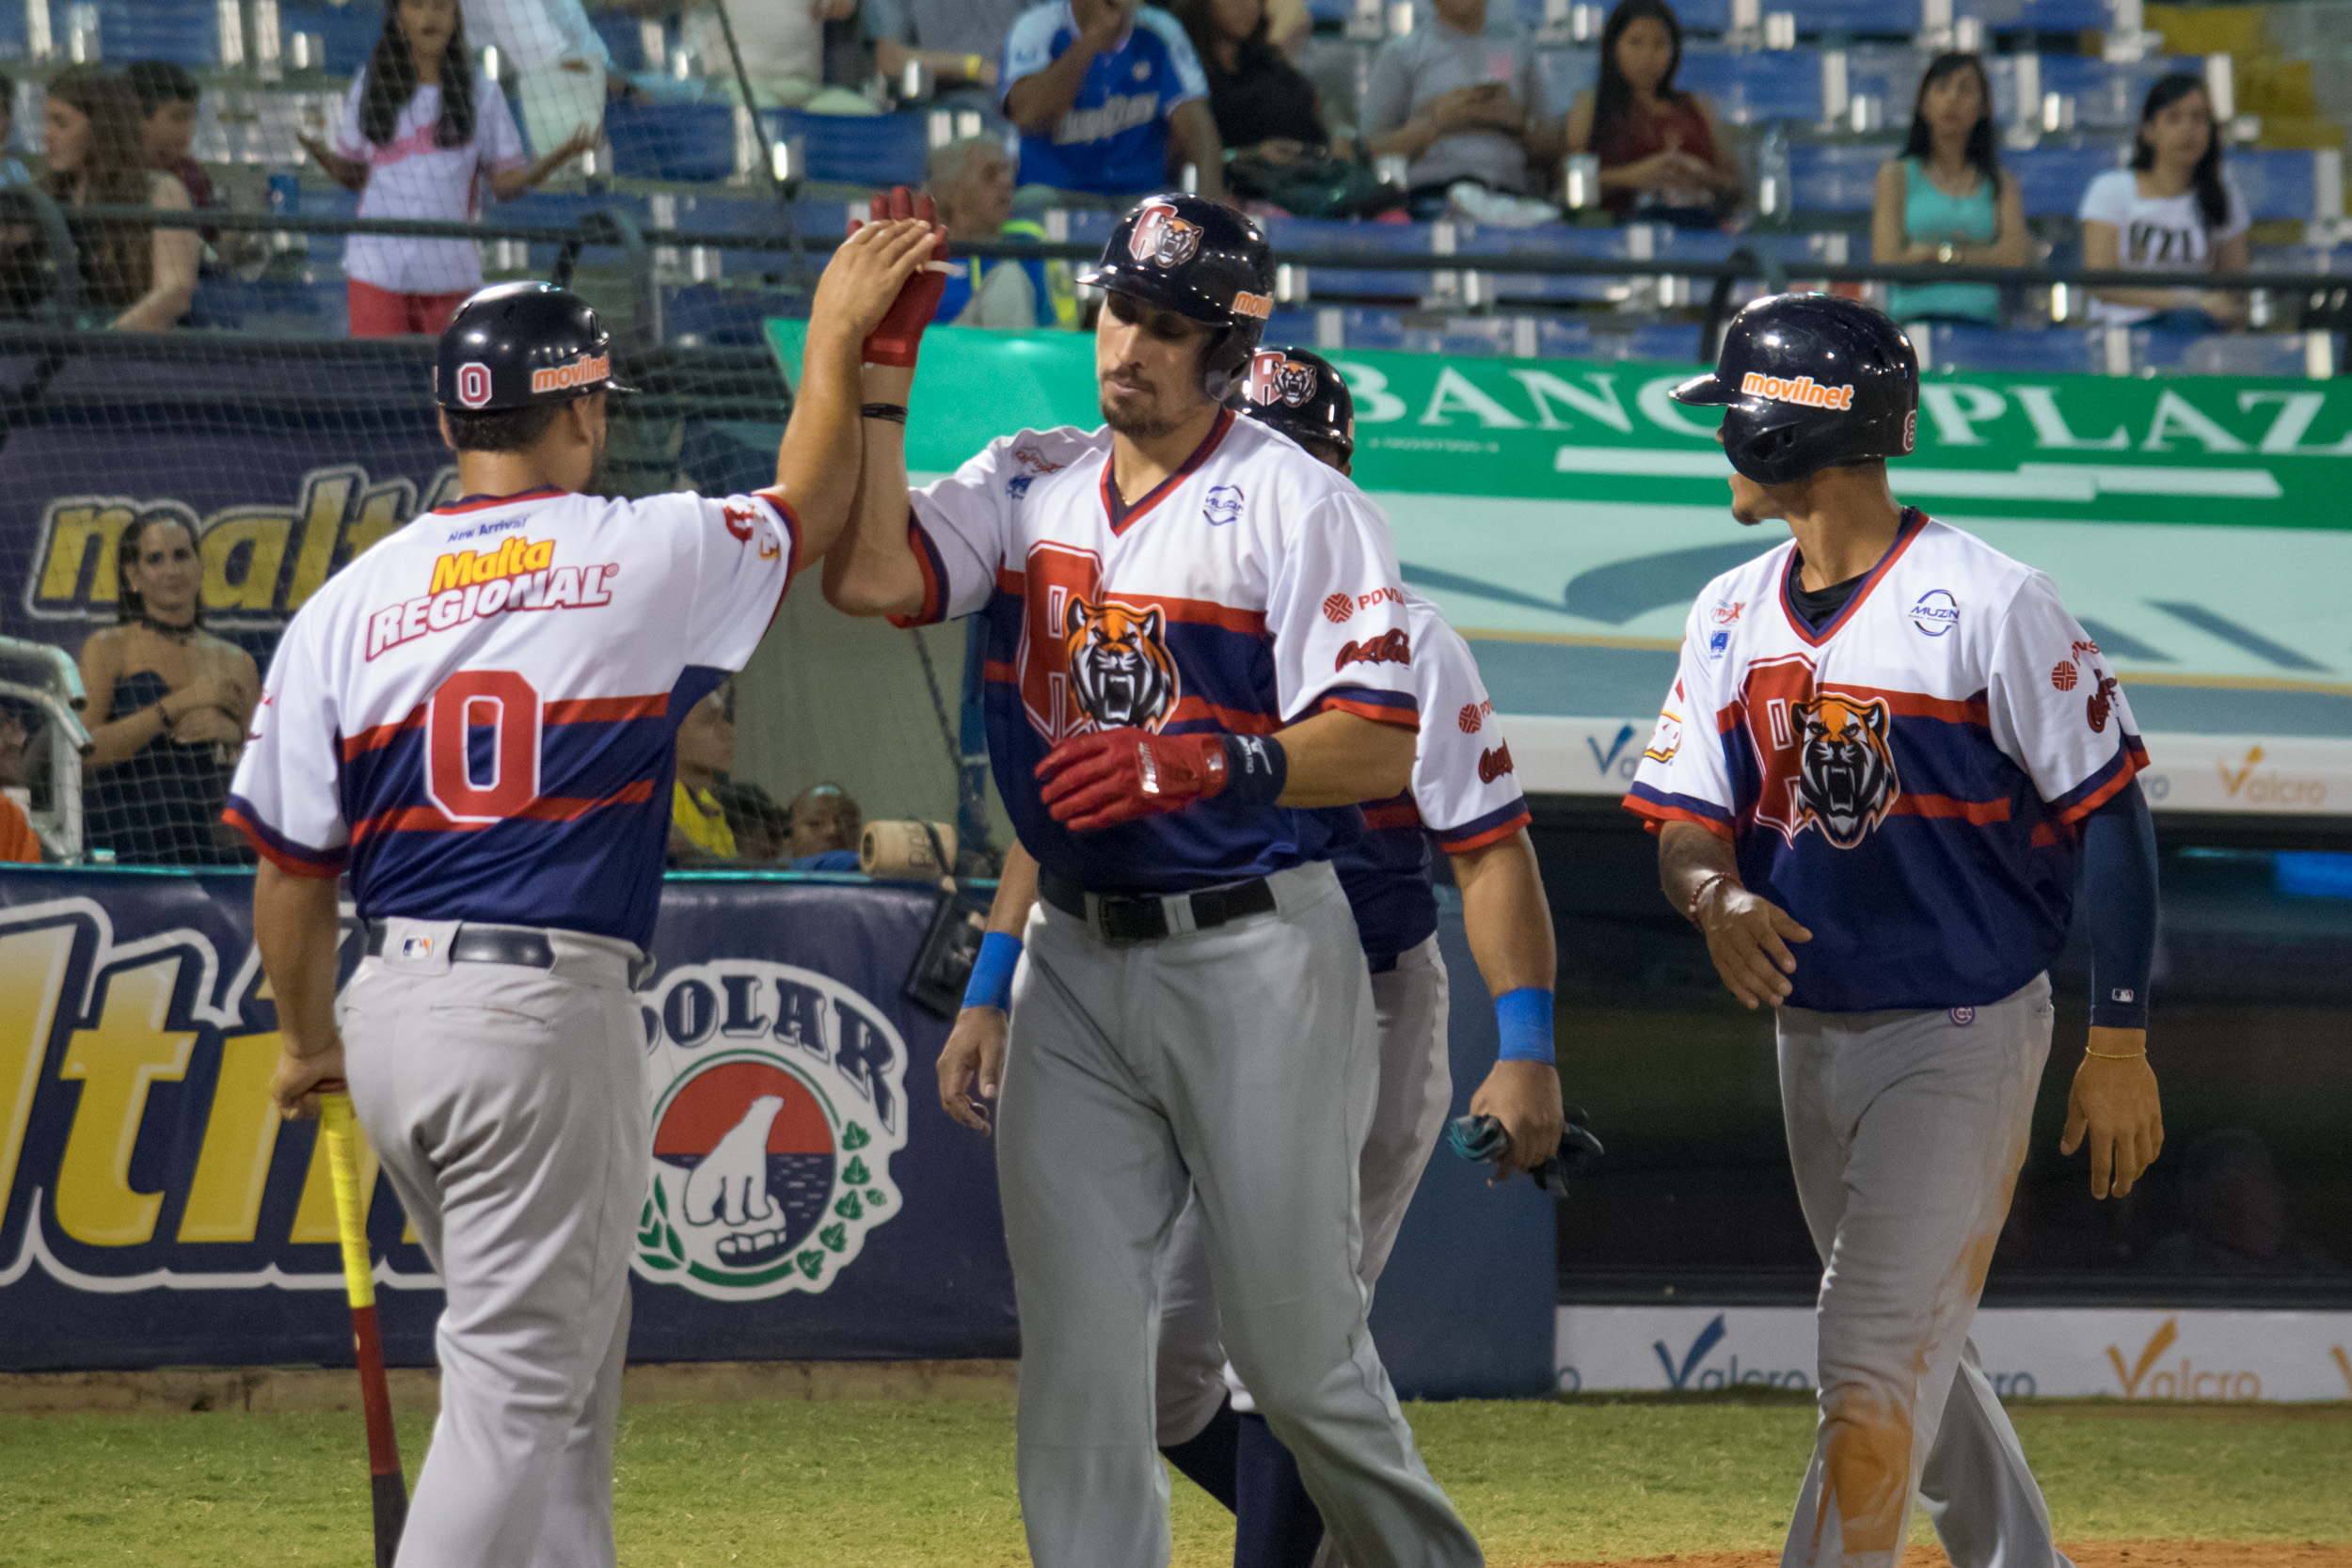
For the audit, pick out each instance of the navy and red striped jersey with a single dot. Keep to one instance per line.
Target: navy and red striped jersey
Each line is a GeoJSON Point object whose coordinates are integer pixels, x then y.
{"type": "Point", "coordinates": [477, 717]}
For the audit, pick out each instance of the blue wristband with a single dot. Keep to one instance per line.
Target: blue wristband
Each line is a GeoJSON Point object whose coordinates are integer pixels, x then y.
{"type": "Point", "coordinates": [1524, 1017]}
{"type": "Point", "coordinates": [1257, 769]}
{"type": "Point", "coordinates": [992, 972]}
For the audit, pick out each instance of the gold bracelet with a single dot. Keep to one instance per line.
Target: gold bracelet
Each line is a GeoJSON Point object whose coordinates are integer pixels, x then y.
{"type": "Point", "coordinates": [2116, 1056]}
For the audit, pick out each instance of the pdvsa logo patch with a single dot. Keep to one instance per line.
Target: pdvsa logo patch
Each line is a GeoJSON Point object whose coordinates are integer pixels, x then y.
{"type": "Point", "coordinates": [777, 1101]}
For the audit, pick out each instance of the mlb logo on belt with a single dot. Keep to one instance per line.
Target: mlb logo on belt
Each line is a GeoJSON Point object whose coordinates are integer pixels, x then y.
{"type": "Point", "coordinates": [416, 947]}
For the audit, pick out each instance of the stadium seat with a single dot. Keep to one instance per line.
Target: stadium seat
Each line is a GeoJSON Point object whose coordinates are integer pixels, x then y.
{"type": "Point", "coordinates": [2053, 179]}
{"type": "Point", "coordinates": [1702, 16]}
{"type": "Point", "coordinates": [2107, 93]}
{"type": "Point", "coordinates": [346, 32]}
{"type": "Point", "coordinates": [687, 142]}
{"type": "Point", "coordinates": [2235, 354]}
{"type": "Point", "coordinates": [186, 32]}
{"type": "Point", "coordinates": [1566, 72]}
{"type": "Point", "coordinates": [2285, 182]}
{"type": "Point", "coordinates": [856, 150]}
{"type": "Point", "coordinates": [623, 40]}
{"type": "Point", "coordinates": [2036, 16]}
{"type": "Point", "coordinates": [2057, 352]}
{"type": "Point", "coordinates": [1550, 240]}
{"type": "Point", "coordinates": [1756, 89]}
{"type": "Point", "coordinates": [702, 315]}
{"type": "Point", "coordinates": [1369, 240]}
{"type": "Point", "coordinates": [1835, 177]}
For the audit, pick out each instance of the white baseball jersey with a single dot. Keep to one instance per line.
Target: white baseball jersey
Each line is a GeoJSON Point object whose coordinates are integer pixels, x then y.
{"type": "Point", "coordinates": [479, 716]}
{"type": "Point", "coordinates": [1212, 603]}
{"type": "Point", "coordinates": [1464, 792]}
{"type": "Point", "coordinates": [1907, 779]}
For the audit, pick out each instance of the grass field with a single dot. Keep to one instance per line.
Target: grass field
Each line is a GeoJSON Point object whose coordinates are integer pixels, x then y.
{"type": "Point", "coordinates": [915, 1484]}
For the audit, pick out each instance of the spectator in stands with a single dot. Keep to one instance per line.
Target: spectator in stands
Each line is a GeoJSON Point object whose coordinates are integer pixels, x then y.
{"type": "Point", "coordinates": [762, 827]}
{"type": "Point", "coordinates": [971, 180]}
{"type": "Point", "coordinates": [1263, 108]}
{"type": "Point", "coordinates": [422, 127]}
{"type": "Point", "coordinates": [12, 169]}
{"type": "Point", "coordinates": [957, 41]}
{"type": "Point", "coordinates": [706, 752]}
{"type": "Point", "coordinates": [134, 276]}
{"type": "Point", "coordinates": [1944, 199]}
{"type": "Point", "coordinates": [19, 723]}
{"type": "Point", "coordinates": [783, 50]}
{"type": "Point", "coordinates": [169, 706]}
{"type": "Point", "coordinates": [1110, 99]}
{"type": "Point", "coordinates": [563, 71]}
{"type": "Point", "coordinates": [1664, 157]}
{"type": "Point", "coordinates": [167, 98]}
{"type": "Point", "coordinates": [2173, 211]}
{"type": "Point", "coordinates": [1463, 103]}
{"type": "Point", "coordinates": [826, 826]}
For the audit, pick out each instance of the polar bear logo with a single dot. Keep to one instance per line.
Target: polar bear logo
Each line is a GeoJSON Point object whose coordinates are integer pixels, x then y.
{"type": "Point", "coordinates": [730, 1183]}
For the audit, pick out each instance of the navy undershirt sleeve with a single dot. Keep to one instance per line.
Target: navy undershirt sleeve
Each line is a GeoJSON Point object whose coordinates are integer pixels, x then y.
{"type": "Point", "coordinates": [2119, 898]}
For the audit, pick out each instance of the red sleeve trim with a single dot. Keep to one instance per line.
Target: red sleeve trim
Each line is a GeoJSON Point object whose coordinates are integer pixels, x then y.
{"type": "Point", "coordinates": [1655, 816]}
{"type": "Point", "coordinates": [935, 571]}
{"type": "Point", "coordinates": [1402, 719]}
{"type": "Point", "coordinates": [2129, 760]}
{"type": "Point", "coordinates": [270, 853]}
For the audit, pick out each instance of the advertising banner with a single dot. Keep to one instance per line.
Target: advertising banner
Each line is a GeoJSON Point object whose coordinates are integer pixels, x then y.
{"type": "Point", "coordinates": [2124, 1352]}
{"type": "Point", "coordinates": [804, 1205]}
{"type": "Point", "coordinates": [1564, 514]}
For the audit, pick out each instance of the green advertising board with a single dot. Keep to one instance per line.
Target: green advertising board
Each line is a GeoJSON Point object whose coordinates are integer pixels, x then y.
{"type": "Point", "coordinates": [1565, 513]}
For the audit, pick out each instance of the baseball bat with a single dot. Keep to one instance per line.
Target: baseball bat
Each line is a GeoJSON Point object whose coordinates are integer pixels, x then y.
{"type": "Point", "coordinates": [387, 1487]}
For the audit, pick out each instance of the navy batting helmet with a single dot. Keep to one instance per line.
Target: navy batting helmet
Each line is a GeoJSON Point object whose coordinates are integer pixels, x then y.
{"type": "Point", "coordinates": [1809, 381]}
{"type": "Point", "coordinates": [1199, 259]}
{"type": "Point", "coordinates": [1298, 393]}
{"type": "Point", "coordinates": [514, 345]}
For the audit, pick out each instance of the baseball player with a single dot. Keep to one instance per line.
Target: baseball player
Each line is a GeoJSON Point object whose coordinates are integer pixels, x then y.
{"type": "Point", "coordinates": [1464, 795]}
{"type": "Point", "coordinates": [1168, 700]}
{"type": "Point", "coordinates": [476, 720]}
{"type": "Point", "coordinates": [1889, 758]}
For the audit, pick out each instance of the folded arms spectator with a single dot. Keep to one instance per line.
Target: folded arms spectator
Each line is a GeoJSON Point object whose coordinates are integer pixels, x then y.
{"type": "Point", "coordinates": [2172, 211]}
{"type": "Point", "coordinates": [957, 41]}
{"type": "Point", "coordinates": [421, 129]}
{"type": "Point", "coordinates": [1462, 102]}
{"type": "Point", "coordinates": [137, 276]}
{"type": "Point", "coordinates": [1104, 92]}
{"type": "Point", "coordinates": [168, 707]}
{"type": "Point", "coordinates": [1946, 199]}
{"type": "Point", "coordinates": [1663, 155]}
{"type": "Point", "coordinates": [1263, 107]}
{"type": "Point", "coordinates": [972, 182]}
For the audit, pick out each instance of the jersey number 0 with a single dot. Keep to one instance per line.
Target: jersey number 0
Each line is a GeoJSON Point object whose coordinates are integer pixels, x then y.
{"type": "Point", "coordinates": [505, 703]}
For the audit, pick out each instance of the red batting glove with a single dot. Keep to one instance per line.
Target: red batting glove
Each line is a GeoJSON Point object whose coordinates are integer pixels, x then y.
{"type": "Point", "coordinates": [1112, 776]}
{"type": "Point", "coordinates": [901, 332]}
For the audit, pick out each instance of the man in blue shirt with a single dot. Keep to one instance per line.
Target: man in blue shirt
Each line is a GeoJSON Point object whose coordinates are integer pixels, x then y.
{"type": "Point", "coordinates": [1099, 89]}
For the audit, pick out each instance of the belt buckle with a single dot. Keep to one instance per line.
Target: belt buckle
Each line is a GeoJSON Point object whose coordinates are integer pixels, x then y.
{"type": "Point", "coordinates": [1124, 921]}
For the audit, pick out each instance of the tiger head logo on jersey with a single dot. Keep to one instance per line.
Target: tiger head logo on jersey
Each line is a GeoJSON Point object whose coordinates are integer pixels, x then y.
{"type": "Point", "coordinates": [1845, 766]}
{"type": "Point", "coordinates": [1120, 666]}
{"type": "Point", "coordinates": [1162, 238]}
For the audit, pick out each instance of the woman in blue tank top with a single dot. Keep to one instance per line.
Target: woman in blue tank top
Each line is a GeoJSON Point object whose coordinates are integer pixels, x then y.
{"type": "Point", "coordinates": [1944, 199]}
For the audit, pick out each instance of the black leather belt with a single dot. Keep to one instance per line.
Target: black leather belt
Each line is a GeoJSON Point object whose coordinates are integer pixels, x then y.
{"type": "Point", "coordinates": [504, 944]}
{"type": "Point", "coordinates": [1124, 918]}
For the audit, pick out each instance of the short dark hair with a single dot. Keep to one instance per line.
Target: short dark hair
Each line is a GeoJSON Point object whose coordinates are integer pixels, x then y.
{"type": "Point", "coordinates": [500, 429]}
{"type": "Point", "coordinates": [160, 82]}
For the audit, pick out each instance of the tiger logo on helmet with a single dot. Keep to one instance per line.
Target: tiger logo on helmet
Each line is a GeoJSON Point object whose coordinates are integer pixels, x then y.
{"type": "Point", "coordinates": [1163, 239]}
{"type": "Point", "coordinates": [1846, 781]}
{"type": "Point", "coordinates": [1120, 666]}
{"type": "Point", "coordinates": [1274, 376]}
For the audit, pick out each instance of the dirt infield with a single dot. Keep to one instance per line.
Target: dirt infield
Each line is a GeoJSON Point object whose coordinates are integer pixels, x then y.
{"type": "Point", "coordinates": [2090, 1554]}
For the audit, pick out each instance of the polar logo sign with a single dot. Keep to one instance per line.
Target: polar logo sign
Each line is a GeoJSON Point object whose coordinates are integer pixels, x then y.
{"type": "Point", "coordinates": [776, 1095]}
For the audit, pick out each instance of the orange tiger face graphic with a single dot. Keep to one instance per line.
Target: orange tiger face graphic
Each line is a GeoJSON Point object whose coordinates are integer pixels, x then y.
{"type": "Point", "coordinates": [1120, 666]}
{"type": "Point", "coordinates": [1845, 766]}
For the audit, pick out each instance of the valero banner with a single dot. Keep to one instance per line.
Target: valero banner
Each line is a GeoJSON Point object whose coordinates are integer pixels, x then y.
{"type": "Point", "coordinates": [803, 1204]}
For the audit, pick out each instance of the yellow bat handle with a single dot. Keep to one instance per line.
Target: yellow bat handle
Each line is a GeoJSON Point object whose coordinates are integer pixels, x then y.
{"type": "Point", "coordinates": [341, 1129]}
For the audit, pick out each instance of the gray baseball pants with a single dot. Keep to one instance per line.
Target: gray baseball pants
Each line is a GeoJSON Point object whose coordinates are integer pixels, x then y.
{"type": "Point", "coordinates": [1237, 1063]}
{"type": "Point", "coordinates": [1907, 1131]}
{"type": "Point", "coordinates": [1409, 1003]}
{"type": "Point", "coordinates": [508, 1106]}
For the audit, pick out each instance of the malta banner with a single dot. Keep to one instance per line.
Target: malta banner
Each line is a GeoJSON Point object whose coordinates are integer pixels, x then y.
{"type": "Point", "coordinates": [808, 1200]}
{"type": "Point", "coordinates": [1565, 515]}
{"type": "Point", "coordinates": [2123, 1353]}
